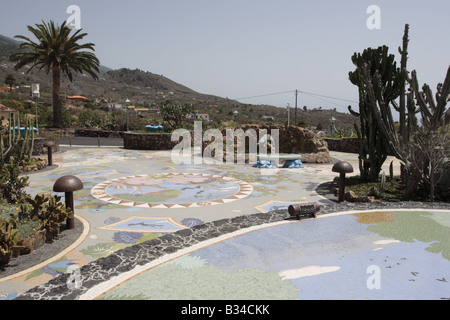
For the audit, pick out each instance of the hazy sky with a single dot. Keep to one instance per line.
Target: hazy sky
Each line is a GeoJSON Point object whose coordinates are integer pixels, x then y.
{"type": "Point", "coordinates": [246, 48]}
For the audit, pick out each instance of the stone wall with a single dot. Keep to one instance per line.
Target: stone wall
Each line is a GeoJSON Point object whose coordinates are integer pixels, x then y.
{"type": "Point", "coordinates": [349, 145]}
{"type": "Point", "coordinates": [292, 140]}
{"type": "Point", "coordinates": [98, 133]}
{"type": "Point", "coordinates": [143, 141]}
{"type": "Point", "coordinates": [298, 140]}
{"type": "Point", "coordinates": [49, 132]}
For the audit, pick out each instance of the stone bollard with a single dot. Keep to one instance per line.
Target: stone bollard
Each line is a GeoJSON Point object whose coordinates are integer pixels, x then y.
{"type": "Point", "coordinates": [49, 144]}
{"type": "Point", "coordinates": [342, 168]}
{"type": "Point", "coordinates": [68, 184]}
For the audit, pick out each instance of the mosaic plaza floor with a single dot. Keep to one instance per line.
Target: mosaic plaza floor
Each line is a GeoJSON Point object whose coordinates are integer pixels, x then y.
{"type": "Point", "coordinates": [154, 230]}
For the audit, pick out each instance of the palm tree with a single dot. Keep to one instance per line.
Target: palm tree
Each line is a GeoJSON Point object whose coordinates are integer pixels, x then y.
{"type": "Point", "coordinates": [10, 80]}
{"type": "Point", "coordinates": [58, 51]}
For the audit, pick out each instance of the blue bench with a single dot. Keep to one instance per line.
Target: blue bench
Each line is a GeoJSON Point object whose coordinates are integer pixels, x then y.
{"type": "Point", "coordinates": [269, 161]}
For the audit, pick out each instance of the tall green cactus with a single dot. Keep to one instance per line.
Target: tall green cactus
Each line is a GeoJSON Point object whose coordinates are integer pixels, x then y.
{"type": "Point", "coordinates": [8, 140]}
{"type": "Point", "coordinates": [8, 239]}
{"type": "Point", "coordinates": [432, 108]}
{"type": "Point", "coordinates": [374, 145]}
{"type": "Point", "coordinates": [15, 143]}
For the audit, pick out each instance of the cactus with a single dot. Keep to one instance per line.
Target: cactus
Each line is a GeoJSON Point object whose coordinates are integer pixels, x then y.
{"type": "Point", "coordinates": [12, 185]}
{"type": "Point", "coordinates": [37, 204]}
{"type": "Point", "coordinates": [26, 149]}
{"type": "Point", "coordinates": [432, 110]}
{"type": "Point", "coordinates": [9, 237]}
{"type": "Point", "coordinates": [14, 143]}
{"type": "Point", "coordinates": [8, 140]}
{"type": "Point", "coordinates": [374, 63]}
{"type": "Point", "coordinates": [51, 211]}
{"type": "Point", "coordinates": [382, 182]}
{"type": "Point", "coordinates": [391, 172]}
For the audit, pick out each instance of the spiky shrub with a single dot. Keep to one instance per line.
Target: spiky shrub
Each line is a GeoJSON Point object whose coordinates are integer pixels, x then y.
{"type": "Point", "coordinates": [51, 212]}
{"type": "Point", "coordinates": [8, 239]}
{"type": "Point", "coordinates": [12, 186]}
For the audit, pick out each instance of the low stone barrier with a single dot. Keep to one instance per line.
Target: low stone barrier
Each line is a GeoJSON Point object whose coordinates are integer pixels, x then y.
{"type": "Point", "coordinates": [349, 145]}
{"type": "Point", "coordinates": [292, 140]}
{"type": "Point", "coordinates": [148, 141]}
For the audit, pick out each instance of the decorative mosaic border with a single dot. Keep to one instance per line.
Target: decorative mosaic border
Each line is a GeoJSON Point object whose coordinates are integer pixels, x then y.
{"type": "Point", "coordinates": [114, 226]}
{"type": "Point", "coordinates": [129, 258]}
{"type": "Point", "coordinates": [261, 208]}
{"type": "Point", "coordinates": [99, 192]}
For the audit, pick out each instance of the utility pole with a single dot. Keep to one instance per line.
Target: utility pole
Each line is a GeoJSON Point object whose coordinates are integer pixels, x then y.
{"type": "Point", "coordinates": [289, 114]}
{"type": "Point", "coordinates": [295, 116]}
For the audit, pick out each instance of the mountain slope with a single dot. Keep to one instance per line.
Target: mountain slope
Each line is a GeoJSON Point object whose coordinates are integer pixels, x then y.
{"type": "Point", "coordinates": [144, 88]}
{"type": "Point", "coordinates": [116, 85]}
{"type": "Point", "coordinates": [7, 46]}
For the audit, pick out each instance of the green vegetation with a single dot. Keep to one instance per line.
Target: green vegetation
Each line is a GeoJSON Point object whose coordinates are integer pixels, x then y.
{"type": "Point", "coordinates": [20, 215]}
{"type": "Point", "coordinates": [392, 190]}
{"type": "Point", "coordinates": [424, 150]}
{"type": "Point", "coordinates": [59, 52]}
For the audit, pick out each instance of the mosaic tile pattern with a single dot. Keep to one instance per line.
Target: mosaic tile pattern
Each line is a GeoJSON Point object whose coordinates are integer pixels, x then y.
{"type": "Point", "coordinates": [126, 260]}
{"type": "Point", "coordinates": [145, 225]}
{"type": "Point", "coordinates": [172, 190]}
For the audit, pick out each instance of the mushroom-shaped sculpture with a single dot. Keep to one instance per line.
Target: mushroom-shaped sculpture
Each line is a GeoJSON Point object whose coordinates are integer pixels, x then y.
{"type": "Point", "coordinates": [49, 144]}
{"type": "Point", "coordinates": [68, 185]}
{"type": "Point", "coordinates": [342, 168]}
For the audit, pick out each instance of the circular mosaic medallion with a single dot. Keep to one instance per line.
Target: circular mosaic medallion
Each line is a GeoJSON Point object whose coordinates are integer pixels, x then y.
{"type": "Point", "coordinates": [172, 190]}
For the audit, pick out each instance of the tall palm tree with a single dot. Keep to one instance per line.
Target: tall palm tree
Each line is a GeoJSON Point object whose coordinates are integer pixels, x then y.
{"type": "Point", "coordinates": [58, 51]}
{"type": "Point", "coordinates": [10, 80]}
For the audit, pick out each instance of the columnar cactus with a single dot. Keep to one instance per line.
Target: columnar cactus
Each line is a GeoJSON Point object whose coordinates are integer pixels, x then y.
{"type": "Point", "coordinates": [15, 143]}
{"type": "Point", "coordinates": [8, 239]}
{"type": "Point", "coordinates": [374, 145]}
{"type": "Point", "coordinates": [8, 140]}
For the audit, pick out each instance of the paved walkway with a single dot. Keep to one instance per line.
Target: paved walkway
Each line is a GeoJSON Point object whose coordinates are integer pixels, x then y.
{"type": "Point", "coordinates": [148, 229]}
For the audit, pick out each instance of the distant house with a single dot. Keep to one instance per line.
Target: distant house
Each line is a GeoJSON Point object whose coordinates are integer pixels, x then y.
{"type": "Point", "coordinates": [72, 106]}
{"type": "Point", "coordinates": [5, 113]}
{"type": "Point", "coordinates": [115, 106]}
{"type": "Point", "coordinates": [199, 116]}
{"type": "Point", "coordinates": [77, 98]}
{"type": "Point", "coordinates": [6, 89]}
{"type": "Point", "coordinates": [140, 111]}
{"type": "Point", "coordinates": [268, 118]}
{"type": "Point", "coordinates": [203, 116]}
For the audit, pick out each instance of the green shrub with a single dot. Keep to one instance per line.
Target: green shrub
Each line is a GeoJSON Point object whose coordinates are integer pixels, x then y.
{"type": "Point", "coordinates": [11, 184]}
{"type": "Point", "coordinates": [50, 211]}
{"type": "Point", "coordinates": [8, 239]}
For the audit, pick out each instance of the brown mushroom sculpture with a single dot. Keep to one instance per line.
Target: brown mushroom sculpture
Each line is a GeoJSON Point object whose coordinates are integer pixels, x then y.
{"type": "Point", "coordinates": [342, 168]}
{"type": "Point", "coordinates": [68, 185]}
{"type": "Point", "coordinates": [49, 144]}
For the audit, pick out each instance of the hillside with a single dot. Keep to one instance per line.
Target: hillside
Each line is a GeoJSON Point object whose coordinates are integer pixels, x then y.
{"type": "Point", "coordinates": [7, 46]}
{"type": "Point", "coordinates": [116, 85]}
{"type": "Point", "coordinates": [144, 88]}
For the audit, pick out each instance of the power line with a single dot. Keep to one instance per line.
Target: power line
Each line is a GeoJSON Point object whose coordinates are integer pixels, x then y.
{"type": "Point", "coordinates": [328, 101]}
{"type": "Point", "coordinates": [265, 95]}
{"type": "Point", "coordinates": [334, 98]}
{"type": "Point", "coordinates": [303, 92]}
